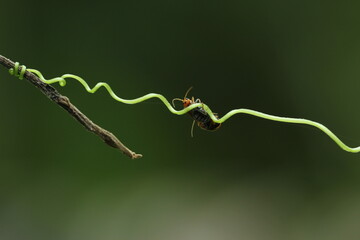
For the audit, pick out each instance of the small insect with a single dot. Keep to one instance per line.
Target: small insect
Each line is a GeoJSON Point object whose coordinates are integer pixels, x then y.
{"type": "Point", "coordinates": [199, 115]}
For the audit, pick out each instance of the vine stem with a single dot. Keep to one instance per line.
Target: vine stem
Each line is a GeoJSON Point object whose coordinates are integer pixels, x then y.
{"type": "Point", "coordinates": [62, 81]}
{"type": "Point", "coordinates": [64, 102]}
{"type": "Point", "coordinates": [35, 77]}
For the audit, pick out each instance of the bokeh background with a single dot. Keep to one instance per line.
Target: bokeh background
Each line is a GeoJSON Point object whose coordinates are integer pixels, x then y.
{"type": "Point", "coordinates": [252, 179]}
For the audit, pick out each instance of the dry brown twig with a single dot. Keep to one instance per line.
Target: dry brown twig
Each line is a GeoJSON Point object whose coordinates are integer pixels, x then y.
{"type": "Point", "coordinates": [65, 103]}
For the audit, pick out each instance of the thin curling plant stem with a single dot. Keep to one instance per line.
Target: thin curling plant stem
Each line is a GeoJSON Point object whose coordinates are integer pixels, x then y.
{"type": "Point", "coordinates": [303, 121]}
{"type": "Point", "coordinates": [62, 81]}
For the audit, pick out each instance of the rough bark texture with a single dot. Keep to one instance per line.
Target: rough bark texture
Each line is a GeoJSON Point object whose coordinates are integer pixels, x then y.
{"type": "Point", "coordinates": [65, 103]}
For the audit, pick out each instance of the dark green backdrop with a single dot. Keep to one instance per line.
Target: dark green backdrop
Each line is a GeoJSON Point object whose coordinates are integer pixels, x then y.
{"type": "Point", "coordinates": [252, 179]}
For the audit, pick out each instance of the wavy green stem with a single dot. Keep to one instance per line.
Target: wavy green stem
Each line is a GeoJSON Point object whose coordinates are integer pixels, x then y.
{"type": "Point", "coordinates": [62, 81]}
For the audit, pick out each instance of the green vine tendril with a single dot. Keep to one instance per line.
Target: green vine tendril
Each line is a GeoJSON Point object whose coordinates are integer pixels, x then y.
{"type": "Point", "coordinates": [15, 71]}
{"type": "Point", "coordinates": [61, 80]}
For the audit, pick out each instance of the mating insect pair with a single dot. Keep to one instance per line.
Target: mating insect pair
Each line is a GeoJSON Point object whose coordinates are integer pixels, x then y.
{"type": "Point", "coordinates": [199, 115]}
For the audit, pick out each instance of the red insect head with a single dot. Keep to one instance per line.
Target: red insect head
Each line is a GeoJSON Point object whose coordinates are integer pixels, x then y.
{"type": "Point", "coordinates": [187, 102]}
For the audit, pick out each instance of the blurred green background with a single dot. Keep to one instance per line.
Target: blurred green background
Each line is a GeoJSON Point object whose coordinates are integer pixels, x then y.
{"type": "Point", "coordinates": [252, 179]}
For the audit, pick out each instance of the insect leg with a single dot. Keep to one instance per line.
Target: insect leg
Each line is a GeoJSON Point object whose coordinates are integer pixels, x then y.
{"type": "Point", "coordinates": [192, 129]}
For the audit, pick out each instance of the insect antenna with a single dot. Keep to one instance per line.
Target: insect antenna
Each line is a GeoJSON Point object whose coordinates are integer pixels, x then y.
{"type": "Point", "coordinates": [187, 92]}
{"type": "Point", "coordinates": [178, 99]}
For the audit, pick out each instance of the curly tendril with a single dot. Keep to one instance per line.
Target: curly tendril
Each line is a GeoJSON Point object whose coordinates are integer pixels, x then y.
{"type": "Point", "coordinates": [62, 81]}
{"type": "Point", "coordinates": [15, 71]}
